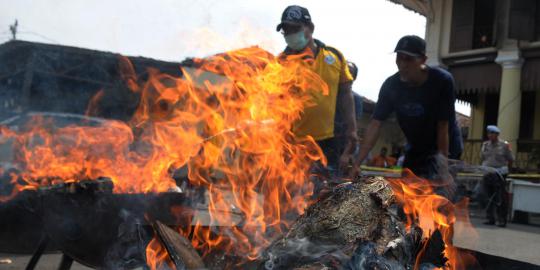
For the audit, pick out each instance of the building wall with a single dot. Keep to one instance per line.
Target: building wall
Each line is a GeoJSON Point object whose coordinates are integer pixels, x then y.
{"type": "Point", "coordinates": [477, 118]}
{"type": "Point", "coordinates": [438, 34]}
{"type": "Point", "coordinates": [438, 27]}
{"type": "Point", "coordinates": [536, 129]}
{"type": "Point", "coordinates": [507, 53]}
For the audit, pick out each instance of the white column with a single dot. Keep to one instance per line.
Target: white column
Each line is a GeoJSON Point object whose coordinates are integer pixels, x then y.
{"type": "Point", "coordinates": [434, 32]}
{"type": "Point", "coordinates": [510, 95]}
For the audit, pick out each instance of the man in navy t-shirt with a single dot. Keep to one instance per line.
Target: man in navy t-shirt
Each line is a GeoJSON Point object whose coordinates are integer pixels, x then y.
{"type": "Point", "coordinates": [422, 98]}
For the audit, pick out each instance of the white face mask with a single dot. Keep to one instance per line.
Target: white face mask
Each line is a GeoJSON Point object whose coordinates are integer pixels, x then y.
{"type": "Point", "coordinates": [296, 41]}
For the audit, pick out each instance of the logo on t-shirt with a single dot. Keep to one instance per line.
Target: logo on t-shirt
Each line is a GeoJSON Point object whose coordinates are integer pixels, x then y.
{"type": "Point", "coordinates": [329, 59]}
{"type": "Point", "coordinates": [412, 109]}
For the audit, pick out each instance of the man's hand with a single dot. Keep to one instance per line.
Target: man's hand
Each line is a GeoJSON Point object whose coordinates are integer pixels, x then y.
{"type": "Point", "coordinates": [355, 171]}
{"type": "Point", "coordinates": [345, 162]}
{"type": "Point", "coordinates": [442, 137]}
{"type": "Point", "coordinates": [352, 169]}
{"type": "Point", "coordinates": [347, 158]}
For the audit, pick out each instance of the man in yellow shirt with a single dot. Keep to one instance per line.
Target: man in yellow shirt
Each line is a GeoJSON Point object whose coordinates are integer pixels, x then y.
{"type": "Point", "coordinates": [317, 121]}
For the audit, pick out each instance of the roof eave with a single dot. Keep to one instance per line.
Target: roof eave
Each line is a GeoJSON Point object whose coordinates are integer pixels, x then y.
{"type": "Point", "coordinates": [419, 6]}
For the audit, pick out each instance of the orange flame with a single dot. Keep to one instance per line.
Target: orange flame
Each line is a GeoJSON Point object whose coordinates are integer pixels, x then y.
{"type": "Point", "coordinates": [243, 151]}
{"type": "Point", "coordinates": [229, 121]}
{"type": "Point", "coordinates": [156, 255]}
{"type": "Point", "coordinates": [424, 208]}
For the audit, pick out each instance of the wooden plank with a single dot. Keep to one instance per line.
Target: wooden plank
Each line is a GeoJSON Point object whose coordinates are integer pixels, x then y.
{"type": "Point", "coordinates": [462, 25]}
{"type": "Point", "coordinates": [522, 20]}
{"type": "Point", "coordinates": [180, 250]}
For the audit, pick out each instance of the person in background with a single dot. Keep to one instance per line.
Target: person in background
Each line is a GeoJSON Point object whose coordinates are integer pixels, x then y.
{"type": "Point", "coordinates": [318, 121]}
{"type": "Point", "coordinates": [496, 153]}
{"type": "Point", "coordinates": [400, 160]}
{"type": "Point", "coordinates": [396, 152]}
{"type": "Point", "coordinates": [383, 160]}
{"type": "Point", "coordinates": [353, 69]}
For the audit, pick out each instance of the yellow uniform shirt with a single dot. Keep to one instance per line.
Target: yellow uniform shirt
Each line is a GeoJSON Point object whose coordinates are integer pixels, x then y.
{"type": "Point", "coordinates": [318, 120]}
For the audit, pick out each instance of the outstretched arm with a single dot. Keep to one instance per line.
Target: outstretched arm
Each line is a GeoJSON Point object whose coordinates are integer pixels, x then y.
{"type": "Point", "coordinates": [442, 137]}
{"type": "Point", "coordinates": [346, 99]}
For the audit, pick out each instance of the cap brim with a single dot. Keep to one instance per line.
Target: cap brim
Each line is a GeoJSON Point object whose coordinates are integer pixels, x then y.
{"type": "Point", "coordinates": [408, 53]}
{"type": "Point", "coordinates": [280, 26]}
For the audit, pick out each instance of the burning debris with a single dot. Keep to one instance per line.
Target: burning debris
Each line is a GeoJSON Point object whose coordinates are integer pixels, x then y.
{"type": "Point", "coordinates": [353, 226]}
{"type": "Point", "coordinates": [89, 223]}
{"type": "Point", "coordinates": [179, 249]}
{"type": "Point", "coordinates": [356, 226]}
{"type": "Point", "coordinates": [335, 224]}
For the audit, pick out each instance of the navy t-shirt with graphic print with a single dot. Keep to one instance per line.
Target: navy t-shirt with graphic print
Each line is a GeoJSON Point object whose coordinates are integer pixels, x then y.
{"type": "Point", "coordinates": [418, 109]}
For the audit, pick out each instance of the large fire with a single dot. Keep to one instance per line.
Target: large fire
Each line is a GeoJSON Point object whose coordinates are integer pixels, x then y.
{"type": "Point", "coordinates": [228, 121]}
{"type": "Point", "coordinates": [231, 130]}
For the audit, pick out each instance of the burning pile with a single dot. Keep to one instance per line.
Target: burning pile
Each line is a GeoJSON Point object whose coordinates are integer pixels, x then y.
{"type": "Point", "coordinates": [359, 226]}
{"type": "Point", "coordinates": [228, 122]}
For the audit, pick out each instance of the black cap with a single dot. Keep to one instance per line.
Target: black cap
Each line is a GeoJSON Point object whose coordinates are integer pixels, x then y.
{"type": "Point", "coordinates": [411, 45]}
{"type": "Point", "coordinates": [353, 69]}
{"type": "Point", "coordinates": [294, 14]}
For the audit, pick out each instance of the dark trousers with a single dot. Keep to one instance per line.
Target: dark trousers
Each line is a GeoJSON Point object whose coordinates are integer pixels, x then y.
{"type": "Point", "coordinates": [323, 176]}
{"type": "Point", "coordinates": [494, 185]}
{"type": "Point", "coordinates": [424, 166]}
{"type": "Point", "coordinates": [331, 150]}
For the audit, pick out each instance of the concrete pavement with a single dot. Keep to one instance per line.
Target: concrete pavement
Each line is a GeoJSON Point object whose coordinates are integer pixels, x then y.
{"type": "Point", "coordinates": [47, 262]}
{"type": "Point", "coordinates": [515, 241]}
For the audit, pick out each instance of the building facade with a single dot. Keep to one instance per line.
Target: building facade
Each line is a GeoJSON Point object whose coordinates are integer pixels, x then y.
{"type": "Point", "coordinates": [492, 48]}
{"type": "Point", "coordinates": [55, 78]}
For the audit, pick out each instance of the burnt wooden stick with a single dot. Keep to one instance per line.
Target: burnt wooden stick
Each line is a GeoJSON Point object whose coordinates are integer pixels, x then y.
{"type": "Point", "coordinates": [180, 250]}
{"type": "Point", "coordinates": [434, 250]}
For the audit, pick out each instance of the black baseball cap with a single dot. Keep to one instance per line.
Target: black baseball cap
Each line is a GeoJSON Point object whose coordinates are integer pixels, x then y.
{"type": "Point", "coordinates": [353, 69]}
{"type": "Point", "coordinates": [411, 45]}
{"type": "Point", "coordinates": [294, 14]}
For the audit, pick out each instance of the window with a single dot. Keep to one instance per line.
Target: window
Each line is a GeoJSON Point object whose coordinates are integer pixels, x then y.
{"type": "Point", "coordinates": [473, 24]}
{"type": "Point", "coordinates": [521, 23]}
{"type": "Point", "coordinates": [491, 111]}
{"type": "Point", "coordinates": [524, 22]}
{"type": "Point", "coordinates": [526, 125]}
{"type": "Point", "coordinates": [484, 21]}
